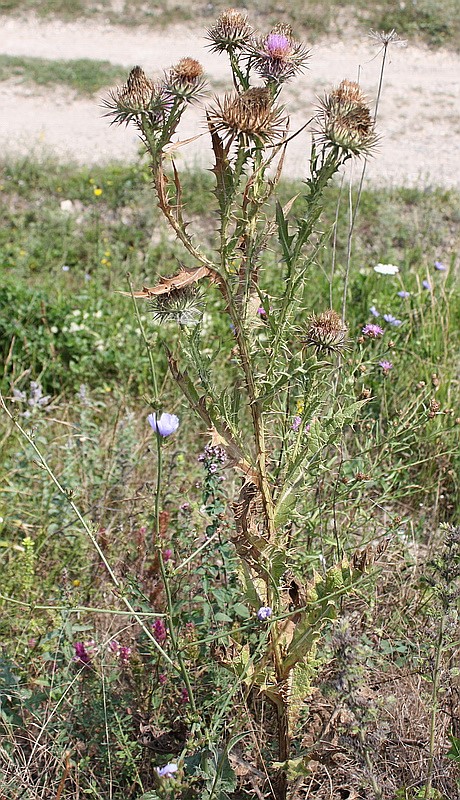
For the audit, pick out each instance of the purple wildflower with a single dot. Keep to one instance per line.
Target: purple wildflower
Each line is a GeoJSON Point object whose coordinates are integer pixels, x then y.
{"type": "Point", "coordinates": [165, 425]}
{"type": "Point", "coordinates": [296, 423]}
{"type": "Point", "coordinates": [374, 311]}
{"type": "Point", "coordinates": [426, 285]}
{"type": "Point", "coordinates": [264, 613]}
{"type": "Point", "coordinates": [277, 57]}
{"type": "Point", "coordinates": [82, 656]}
{"type": "Point", "coordinates": [386, 366]}
{"type": "Point", "coordinates": [167, 554]}
{"type": "Point", "coordinates": [159, 631]}
{"type": "Point", "coordinates": [392, 320]}
{"type": "Point", "coordinates": [121, 651]}
{"type": "Point", "coordinates": [440, 266]}
{"type": "Point", "coordinates": [162, 678]}
{"type": "Point", "coordinates": [404, 294]}
{"type": "Point", "coordinates": [184, 697]}
{"type": "Point", "coordinates": [372, 331]}
{"type": "Point", "coordinates": [166, 771]}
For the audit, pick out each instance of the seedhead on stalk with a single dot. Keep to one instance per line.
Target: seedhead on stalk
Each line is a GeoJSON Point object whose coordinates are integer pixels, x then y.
{"type": "Point", "coordinates": [230, 32]}
{"type": "Point", "coordinates": [345, 122]}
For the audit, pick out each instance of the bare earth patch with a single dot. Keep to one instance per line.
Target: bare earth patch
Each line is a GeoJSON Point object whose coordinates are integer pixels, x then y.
{"type": "Point", "coordinates": [418, 117]}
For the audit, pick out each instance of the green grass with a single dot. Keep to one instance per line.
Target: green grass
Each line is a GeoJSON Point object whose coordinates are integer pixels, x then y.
{"type": "Point", "coordinates": [83, 75]}
{"type": "Point", "coordinates": [435, 22]}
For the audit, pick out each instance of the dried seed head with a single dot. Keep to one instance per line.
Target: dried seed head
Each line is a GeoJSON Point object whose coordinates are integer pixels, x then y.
{"type": "Point", "coordinates": [181, 305]}
{"type": "Point", "coordinates": [131, 99]}
{"type": "Point", "coordinates": [278, 56]}
{"type": "Point", "coordinates": [230, 32]}
{"type": "Point", "coordinates": [185, 79]}
{"type": "Point", "coordinates": [251, 113]}
{"type": "Point", "coordinates": [384, 38]}
{"type": "Point", "coordinates": [345, 121]}
{"type": "Point", "coordinates": [326, 332]}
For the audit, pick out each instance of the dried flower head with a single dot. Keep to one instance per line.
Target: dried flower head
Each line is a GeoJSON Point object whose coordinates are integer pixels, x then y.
{"type": "Point", "coordinates": [326, 332]}
{"type": "Point", "coordinates": [345, 122]}
{"type": "Point", "coordinates": [133, 98]}
{"type": "Point", "coordinates": [185, 79]}
{"type": "Point", "coordinates": [251, 113]}
{"type": "Point", "coordinates": [385, 38]}
{"type": "Point", "coordinates": [181, 305]}
{"type": "Point", "coordinates": [278, 56]}
{"type": "Point", "coordinates": [230, 32]}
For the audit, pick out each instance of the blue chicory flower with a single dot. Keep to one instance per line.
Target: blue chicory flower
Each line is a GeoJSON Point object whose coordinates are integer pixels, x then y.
{"type": "Point", "coordinates": [426, 285]}
{"type": "Point", "coordinates": [403, 294]}
{"type": "Point", "coordinates": [374, 311]}
{"type": "Point", "coordinates": [165, 425]}
{"type": "Point", "coordinates": [392, 320]}
{"type": "Point", "coordinates": [264, 613]}
{"type": "Point", "coordinates": [440, 266]}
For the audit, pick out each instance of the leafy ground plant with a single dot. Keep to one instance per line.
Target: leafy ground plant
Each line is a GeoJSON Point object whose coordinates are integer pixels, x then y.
{"type": "Point", "coordinates": [221, 614]}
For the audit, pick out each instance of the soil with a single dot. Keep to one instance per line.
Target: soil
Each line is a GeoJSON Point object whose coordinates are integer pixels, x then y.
{"type": "Point", "coordinates": [418, 115]}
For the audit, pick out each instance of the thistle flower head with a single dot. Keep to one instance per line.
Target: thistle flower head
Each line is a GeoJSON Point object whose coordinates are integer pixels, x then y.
{"type": "Point", "coordinates": [345, 122]}
{"type": "Point", "coordinates": [251, 113]}
{"type": "Point", "coordinates": [180, 305]}
{"type": "Point", "coordinates": [133, 98]}
{"type": "Point", "coordinates": [326, 332]}
{"type": "Point", "coordinates": [372, 331]}
{"type": "Point", "coordinates": [230, 32]}
{"type": "Point", "coordinates": [278, 56]}
{"type": "Point", "coordinates": [185, 79]}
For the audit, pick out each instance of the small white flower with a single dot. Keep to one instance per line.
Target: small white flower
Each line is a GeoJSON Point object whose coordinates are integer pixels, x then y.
{"type": "Point", "coordinates": [76, 312]}
{"type": "Point", "coordinates": [386, 269]}
{"type": "Point", "coordinates": [53, 329]}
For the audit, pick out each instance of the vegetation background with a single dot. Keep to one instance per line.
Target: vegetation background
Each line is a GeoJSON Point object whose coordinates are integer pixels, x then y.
{"type": "Point", "coordinates": [382, 719]}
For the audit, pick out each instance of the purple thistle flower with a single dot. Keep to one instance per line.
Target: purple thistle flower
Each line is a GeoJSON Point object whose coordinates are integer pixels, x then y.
{"type": "Point", "coordinates": [264, 613]}
{"type": "Point", "coordinates": [440, 266]}
{"type": "Point", "coordinates": [403, 294]}
{"type": "Point", "coordinates": [159, 631]}
{"type": "Point", "coordinates": [374, 311]}
{"type": "Point", "coordinates": [392, 320]}
{"type": "Point", "coordinates": [372, 331]}
{"type": "Point", "coordinates": [386, 366]}
{"type": "Point", "coordinates": [296, 423]}
{"type": "Point", "coordinates": [426, 285]}
{"type": "Point", "coordinates": [165, 425]}
{"type": "Point", "coordinates": [166, 771]}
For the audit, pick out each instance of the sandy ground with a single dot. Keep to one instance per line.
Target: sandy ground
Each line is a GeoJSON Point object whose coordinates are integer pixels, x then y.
{"type": "Point", "coordinates": [418, 118]}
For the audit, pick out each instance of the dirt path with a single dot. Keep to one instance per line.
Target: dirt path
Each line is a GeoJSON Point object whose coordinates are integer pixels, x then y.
{"type": "Point", "coordinates": [419, 115]}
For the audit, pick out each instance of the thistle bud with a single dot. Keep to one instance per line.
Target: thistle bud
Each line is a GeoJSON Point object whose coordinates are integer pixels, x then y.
{"type": "Point", "coordinates": [345, 122]}
{"type": "Point", "coordinates": [132, 99]}
{"type": "Point", "coordinates": [326, 332]}
{"type": "Point", "coordinates": [180, 305]}
{"type": "Point", "coordinates": [185, 79]}
{"type": "Point", "coordinates": [230, 32]}
{"type": "Point", "coordinates": [251, 113]}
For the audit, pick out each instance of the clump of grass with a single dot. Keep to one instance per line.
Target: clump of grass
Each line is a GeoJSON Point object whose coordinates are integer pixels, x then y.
{"type": "Point", "coordinates": [84, 75]}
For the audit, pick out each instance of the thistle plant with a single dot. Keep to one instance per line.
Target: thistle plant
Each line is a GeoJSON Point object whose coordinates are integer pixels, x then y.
{"type": "Point", "coordinates": [270, 411]}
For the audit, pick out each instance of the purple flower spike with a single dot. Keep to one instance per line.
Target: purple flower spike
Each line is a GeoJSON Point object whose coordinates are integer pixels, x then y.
{"type": "Point", "coordinates": [440, 266]}
{"type": "Point", "coordinates": [82, 656]}
{"type": "Point", "coordinates": [264, 613]}
{"type": "Point", "coordinates": [372, 331]}
{"type": "Point", "coordinates": [392, 320]}
{"type": "Point", "coordinates": [296, 423]}
{"type": "Point", "coordinates": [166, 771]}
{"type": "Point", "coordinates": [165, 425]}
{"type": "Point", "coordinates": [426, 285]}
{"type": "Point", "coordinates": [159, 630]}
{"type": "Point", "coordinates": [404, 294]}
